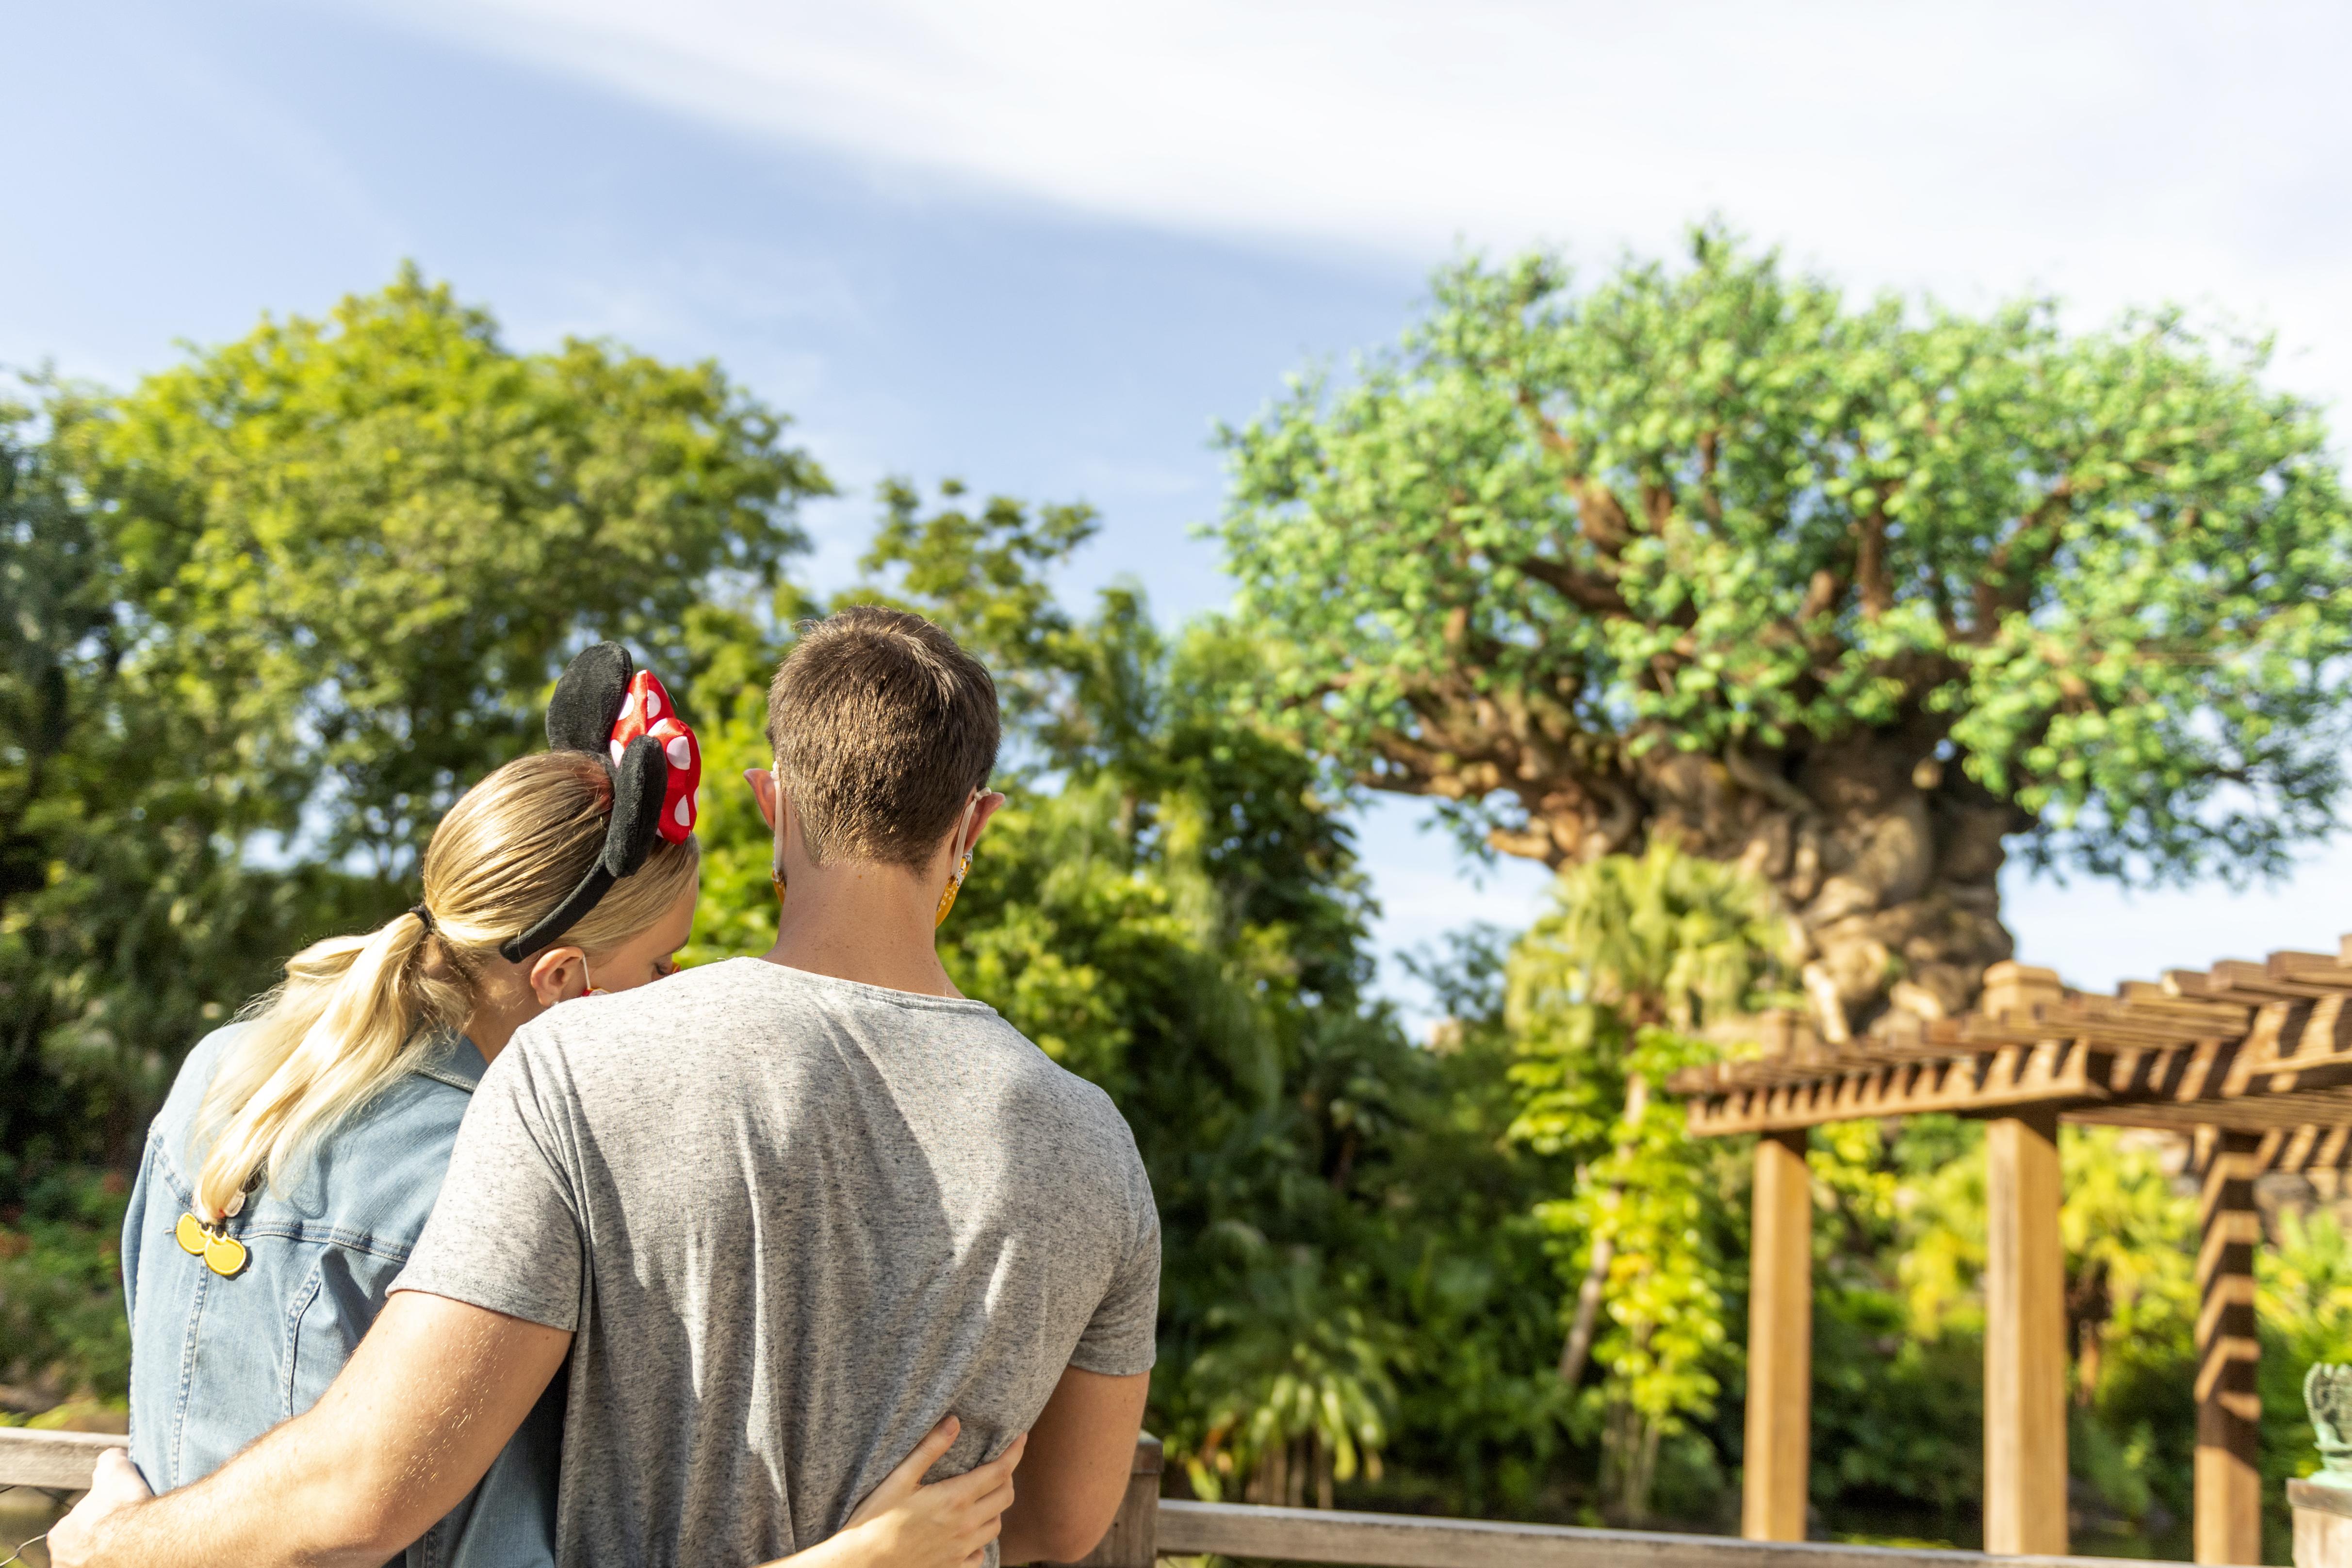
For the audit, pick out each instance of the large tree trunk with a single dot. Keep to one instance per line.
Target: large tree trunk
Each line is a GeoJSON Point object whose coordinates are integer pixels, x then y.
{"type": "Point", "coordinates": [1885, 859]}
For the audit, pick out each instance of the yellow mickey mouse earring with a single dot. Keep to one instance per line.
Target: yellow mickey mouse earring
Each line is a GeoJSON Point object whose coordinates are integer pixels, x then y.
{"type": "Point", "coordinates": [955, 886]}
{"type": "Point", "coordinates": [955, 883]}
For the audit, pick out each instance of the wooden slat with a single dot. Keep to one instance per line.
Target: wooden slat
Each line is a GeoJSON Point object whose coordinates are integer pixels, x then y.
{"type": "Point", "coordinates": [2253, 1047]}
{"type": "Point", "coordinates": [2319, 968]}
{"type": "Point", "coordinates": [1402, 1540]}
{"type": "Point", "coordinates": [2320, 1109]}
{"type": "Point", "coordinates": [62, 1461]}
{"type": "Point", "coordinates": [2053, 1072]}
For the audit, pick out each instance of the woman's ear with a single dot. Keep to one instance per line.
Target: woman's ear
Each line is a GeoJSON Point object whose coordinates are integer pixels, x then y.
{"type": "Point", "coordinates": [990, 800]}
{"type": "Point", "coordinates": [559, 974]}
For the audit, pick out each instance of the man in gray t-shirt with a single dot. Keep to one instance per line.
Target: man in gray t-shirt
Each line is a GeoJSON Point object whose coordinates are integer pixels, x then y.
{"type": "Point", "coordinates": [782, 1215]}
{"type": "Point", "coordinates": [792, 1220]}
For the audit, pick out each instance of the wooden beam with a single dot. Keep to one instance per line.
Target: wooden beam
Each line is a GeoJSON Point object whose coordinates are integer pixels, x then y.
{"type": "Point", "coordinates": [1779, 1460]}
{"type": "Point", "coordinates": [2025, 1337]}
{"type": "Point", "coordinates": [2229, 1514]}
{"type": "Point", "coordinates": [2053, 1071]}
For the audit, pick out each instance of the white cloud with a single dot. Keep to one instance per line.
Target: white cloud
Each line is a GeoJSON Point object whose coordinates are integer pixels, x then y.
{"type": "Point", "coordinates": [2114, 154]}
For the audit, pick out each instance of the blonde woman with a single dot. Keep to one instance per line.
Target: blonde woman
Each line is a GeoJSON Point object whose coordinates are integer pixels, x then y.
{"type": "Point", "coordinates": [301, 1149]}
{"type": "Point", "coordinates": [293, 1167]}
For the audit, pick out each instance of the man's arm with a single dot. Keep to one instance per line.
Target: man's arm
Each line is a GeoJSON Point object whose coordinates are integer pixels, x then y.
{"type": "Point", "coordinates": [411, 1423]}
{"type": "Point", "coordinates": [1081, 1451]}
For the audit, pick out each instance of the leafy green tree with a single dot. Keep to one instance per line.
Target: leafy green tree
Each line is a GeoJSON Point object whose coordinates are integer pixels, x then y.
{"type": "Point", "coordinates": [308, 585]}
{"type": "Point", "coordinates": [359, 549]}
{"type": "Point", "coordinates": [1609, 994]}
{"type": "Point", "coordinates": [1845, 593]}
{"type": "Point", "coordinates": [126, 920]}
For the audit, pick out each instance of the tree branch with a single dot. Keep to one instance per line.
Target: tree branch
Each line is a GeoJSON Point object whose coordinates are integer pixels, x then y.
{"type": "Point", "coordinates": [1588, 590]}
{"type": "Point", "coordinates": [1599, 517]}
{"type": "Point", "coordinates": [1869, 565]}
{"type": "Point", "coordinates": [2005, 587]}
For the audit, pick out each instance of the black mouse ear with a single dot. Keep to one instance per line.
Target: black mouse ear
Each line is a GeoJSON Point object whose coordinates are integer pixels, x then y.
{"type": "Point", "coordinates": [587, 700]}
{"type": "Point", "coordinates": [637, 788]}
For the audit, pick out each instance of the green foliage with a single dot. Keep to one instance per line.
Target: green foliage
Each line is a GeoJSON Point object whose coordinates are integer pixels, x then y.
{"type": "Point", "coordinates": [1608, 994]}
{"type": "Point", "coordinates": [2304, 1280]}
{"type": "Point", "coordinates": [268, 612]}
{"type": "Point", "coordinates": [127, 921]}
{"type": "Point", "coordinates": [265, 614]}
{"type": "Point", "coordinates": [361, 547]}
{"type": "Point", "coordinates": [1720, 506]}
{"type": "Point", "coordinates": [62, 1330]}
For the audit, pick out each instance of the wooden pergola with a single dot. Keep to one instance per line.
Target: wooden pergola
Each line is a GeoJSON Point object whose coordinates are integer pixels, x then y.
{"type": "Point", "coordinates": [2251, 1061]}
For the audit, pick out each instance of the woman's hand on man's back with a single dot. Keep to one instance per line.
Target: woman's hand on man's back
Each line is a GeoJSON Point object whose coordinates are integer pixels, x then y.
{"type": "Point", "coordinates": [903, 1523]}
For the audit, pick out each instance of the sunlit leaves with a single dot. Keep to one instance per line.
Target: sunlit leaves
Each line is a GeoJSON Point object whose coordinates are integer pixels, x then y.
{"type": "Point", "coordinates": [359, 549]}
{"type": "Point", "coordinates": [1723, 503]}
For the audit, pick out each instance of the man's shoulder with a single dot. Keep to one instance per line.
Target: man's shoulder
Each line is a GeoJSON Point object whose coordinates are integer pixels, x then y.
{"type": "Point", "coordinates": [676, 1006]}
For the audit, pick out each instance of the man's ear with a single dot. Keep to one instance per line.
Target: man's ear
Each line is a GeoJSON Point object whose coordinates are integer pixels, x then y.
{"type": "Point", "coordinates": [764, 790]}
{"type": "Point", "coordinates": [559, 974]}
{"type": "Point", "coordinates": [989, 803]}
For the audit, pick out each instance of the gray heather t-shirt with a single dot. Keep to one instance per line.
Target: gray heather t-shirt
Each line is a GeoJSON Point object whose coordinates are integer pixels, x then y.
{"type": "Point", "coordinates": [794, 1220]}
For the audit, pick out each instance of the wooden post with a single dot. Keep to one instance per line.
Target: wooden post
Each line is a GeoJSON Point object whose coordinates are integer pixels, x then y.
{"type": "Point", "coordinates": [1780, 1342]}
{"type": "Point", "coordinates": [2228, 1515]}
{"type": "Point", "coordinates": [2025, 1337]}
{"type": "Point", "coordinates": [1133, 1540]}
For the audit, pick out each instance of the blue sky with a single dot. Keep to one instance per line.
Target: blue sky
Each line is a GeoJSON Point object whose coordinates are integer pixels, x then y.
{"type": "Point", "coordinates": [1044, 247]}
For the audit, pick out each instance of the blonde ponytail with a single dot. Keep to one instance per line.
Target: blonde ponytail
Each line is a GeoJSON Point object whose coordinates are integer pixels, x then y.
{"type": "Point", "coordinates": [356, 1014]}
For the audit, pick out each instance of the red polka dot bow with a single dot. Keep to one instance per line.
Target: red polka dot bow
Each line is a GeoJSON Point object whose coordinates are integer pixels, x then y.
{"type": "Point", "coordinates": [646, 710]}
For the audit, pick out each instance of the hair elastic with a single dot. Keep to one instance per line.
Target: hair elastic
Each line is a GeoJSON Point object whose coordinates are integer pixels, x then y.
{"type": "Point", "coordinates": [423, 917]}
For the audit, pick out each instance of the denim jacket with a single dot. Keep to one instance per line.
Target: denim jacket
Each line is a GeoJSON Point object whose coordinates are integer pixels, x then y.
{"type": "Point", "coordinates": [217, 1361]}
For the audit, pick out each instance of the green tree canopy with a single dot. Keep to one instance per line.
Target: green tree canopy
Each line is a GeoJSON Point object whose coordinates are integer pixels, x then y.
{"type": "Point", "coordinates": [314, 583]}
{"type": "Point", "coordinates": [1849, 593]}
{"type": "Point", "coordinates": [359, 549]}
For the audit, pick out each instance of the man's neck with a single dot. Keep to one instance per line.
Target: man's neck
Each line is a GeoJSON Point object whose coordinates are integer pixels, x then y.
{"type": "Point", "coordinates": [862, 921]}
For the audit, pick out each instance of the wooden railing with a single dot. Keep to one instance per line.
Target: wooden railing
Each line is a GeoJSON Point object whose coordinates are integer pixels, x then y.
{"type": "Point", "coordinates": [1148, 1529]}
{"type": "Point", "coordinates": [53, 1461]}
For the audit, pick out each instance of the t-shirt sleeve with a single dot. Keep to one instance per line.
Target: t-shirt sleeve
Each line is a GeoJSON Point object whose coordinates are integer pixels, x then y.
{"type": "Point", "coordinates": [1122, 1338]}
{"type": "Point", "coordinates": [505, 1232]}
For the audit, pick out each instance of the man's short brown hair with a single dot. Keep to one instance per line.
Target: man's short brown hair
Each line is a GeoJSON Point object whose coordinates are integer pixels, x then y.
{"type": "Point", "coordinates": [881, 728]}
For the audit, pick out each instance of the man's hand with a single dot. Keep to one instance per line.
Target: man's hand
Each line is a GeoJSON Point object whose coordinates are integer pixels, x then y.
{"type": "Point", "coordinates": [116, 1486]}
{"type": "Point", "coordinates": [429, 1399]}
{"type": "Point", "coordinates": [1081, 1451]}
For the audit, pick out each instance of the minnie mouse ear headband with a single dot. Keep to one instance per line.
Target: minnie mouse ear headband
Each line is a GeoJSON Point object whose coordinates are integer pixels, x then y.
{"type": "Point", "coordinates": [608, 708]}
